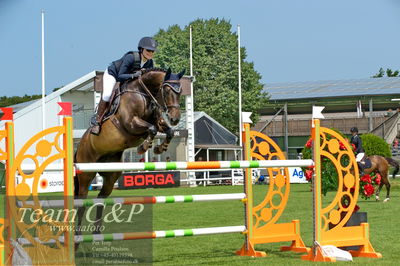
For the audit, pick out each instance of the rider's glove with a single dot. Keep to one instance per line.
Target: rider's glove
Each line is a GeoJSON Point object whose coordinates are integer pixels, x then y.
{"type": "Point", "coordinates": [136, 75]}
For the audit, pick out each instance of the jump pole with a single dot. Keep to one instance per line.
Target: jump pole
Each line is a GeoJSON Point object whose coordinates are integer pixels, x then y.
{"type": "Point", "coordinates": [150, 166]}
{"type": "Point", "coordinates": [143, 200]}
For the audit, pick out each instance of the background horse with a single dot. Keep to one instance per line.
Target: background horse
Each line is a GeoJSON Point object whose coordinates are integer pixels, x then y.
{"type": "Point", "coordinates": [381, 165]}
{"type": "Point", "coordinates": [135, 124]}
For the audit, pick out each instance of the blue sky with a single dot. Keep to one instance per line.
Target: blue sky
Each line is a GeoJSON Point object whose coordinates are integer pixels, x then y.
{"type": "Point", "coordinates": [288, 40]}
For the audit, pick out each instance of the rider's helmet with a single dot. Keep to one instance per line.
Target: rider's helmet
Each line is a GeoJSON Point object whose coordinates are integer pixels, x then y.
{"type": "Point", "coordinates": [354, 129]}
{"type": "Point", "coordinates": [147, 43]}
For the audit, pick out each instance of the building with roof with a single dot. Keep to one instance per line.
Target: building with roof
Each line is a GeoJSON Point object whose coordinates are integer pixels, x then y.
{"type": "Point", "coordinates": [365, 103]}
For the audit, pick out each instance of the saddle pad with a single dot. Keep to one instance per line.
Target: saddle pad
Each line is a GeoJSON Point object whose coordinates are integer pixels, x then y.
{"type": "Point", "coordinates": [368, 163]}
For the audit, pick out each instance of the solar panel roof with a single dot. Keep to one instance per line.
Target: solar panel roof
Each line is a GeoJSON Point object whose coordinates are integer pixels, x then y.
{"type": "Point", "coordinates": [333, 88]}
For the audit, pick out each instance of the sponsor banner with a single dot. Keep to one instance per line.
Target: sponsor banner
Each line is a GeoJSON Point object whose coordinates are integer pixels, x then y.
{"type": "Point", "coordinates": [149, 180]}
{"type": "Point", "coordinates": [297, 175]}
{"type": "Point", "coordinates": [48, 182]}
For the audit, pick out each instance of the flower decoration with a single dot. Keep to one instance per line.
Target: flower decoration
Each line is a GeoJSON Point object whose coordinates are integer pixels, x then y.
{"type": "Point", "coordinates": [309, 173]}
{"type": "Point", "coordinates": [329, 182]}
{"type": "Point", "coordinates": [367, 183]}
{"type": "Point", "coordinates": [341, 146]}
{"type": "Point", "coordinates": [353, 147]}
{"type": "Point", "coordinates": [309, 143]}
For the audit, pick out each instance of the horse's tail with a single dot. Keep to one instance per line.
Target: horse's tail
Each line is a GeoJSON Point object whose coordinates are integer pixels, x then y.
{"type": "Point", "coordinates": [395, 164]}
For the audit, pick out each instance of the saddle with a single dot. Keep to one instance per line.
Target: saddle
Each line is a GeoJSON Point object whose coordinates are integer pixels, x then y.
{"type": "Point", "coordinates": [115, 102]}
{"type": "Point", "coordinates": [365, 163]}
{"type": "Point", "coordinates": [112, 109]}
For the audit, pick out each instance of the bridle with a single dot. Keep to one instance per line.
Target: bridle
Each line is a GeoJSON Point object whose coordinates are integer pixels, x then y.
{"type": "Point", "coordinates": [174, 85]}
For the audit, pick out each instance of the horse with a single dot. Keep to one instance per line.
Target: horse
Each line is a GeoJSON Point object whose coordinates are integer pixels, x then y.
{"type": "Point", "coordinates": [380, 165]}
{"type": "Point", "coordinates": [135, 124]}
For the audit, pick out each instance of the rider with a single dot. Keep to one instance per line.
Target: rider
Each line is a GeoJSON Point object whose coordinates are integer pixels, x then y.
{"type": "Point", "coordinates": [356, 140]}
{"type": "Point", "coordinates": [129, 67]}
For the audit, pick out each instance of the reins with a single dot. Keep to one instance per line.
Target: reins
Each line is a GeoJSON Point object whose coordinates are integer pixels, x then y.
{"type": "Point", "coordinates": [148, 93]}
{"type": "Point", "coordinates": [154, 100]}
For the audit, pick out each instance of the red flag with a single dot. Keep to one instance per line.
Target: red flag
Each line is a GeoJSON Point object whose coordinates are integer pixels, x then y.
{"type": "Point", "coordinates": [6, 113]}
{"type": "Point", "coordinates": [66, 108]}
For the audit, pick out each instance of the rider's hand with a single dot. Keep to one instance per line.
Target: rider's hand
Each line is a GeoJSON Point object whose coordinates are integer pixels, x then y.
{"type": "Point", "coordinates": [136, 75]}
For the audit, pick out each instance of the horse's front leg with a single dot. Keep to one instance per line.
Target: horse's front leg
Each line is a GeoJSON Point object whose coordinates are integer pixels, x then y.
{"type": "Point", "coordinates": [164, 145]}
{"type": "Point", "coordinates": [139, 126]}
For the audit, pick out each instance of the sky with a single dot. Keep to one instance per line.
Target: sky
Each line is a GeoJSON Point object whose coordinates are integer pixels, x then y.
{"type": "Point", "coordinates": [288, 40]}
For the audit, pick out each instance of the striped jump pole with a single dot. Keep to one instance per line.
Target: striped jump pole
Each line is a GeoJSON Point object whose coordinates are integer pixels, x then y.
{"type": "Point", "coordinates": [148, 235]}
{"type": "Point", "coordinates": [161, 234]}
{"type": "Point", "coordinates": [114, 167]}
{"type": "Point", "coordinates": [142, 200]}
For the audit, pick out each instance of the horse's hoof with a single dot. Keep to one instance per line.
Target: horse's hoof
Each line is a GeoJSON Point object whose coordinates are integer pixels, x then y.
{"type": "Point", "coordinates": [386, 200]}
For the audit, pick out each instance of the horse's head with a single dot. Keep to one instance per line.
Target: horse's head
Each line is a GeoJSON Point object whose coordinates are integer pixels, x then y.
{"type": "Point", "coordinates": [170, 92]}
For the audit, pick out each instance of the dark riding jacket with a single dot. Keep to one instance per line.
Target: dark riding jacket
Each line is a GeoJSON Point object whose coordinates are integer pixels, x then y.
{"type": "Point", "coordinates": [356, 140]}
{"type": "Point", "coordinates": [123, 68]}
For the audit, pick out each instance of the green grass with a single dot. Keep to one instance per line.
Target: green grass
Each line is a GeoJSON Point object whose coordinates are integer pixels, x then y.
{"type": "Point", "coordinates": [219, 249]}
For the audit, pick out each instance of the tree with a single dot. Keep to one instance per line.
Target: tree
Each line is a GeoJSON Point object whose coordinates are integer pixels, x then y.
{"type": "Point", "coordinates": [215, 69]}
{"type": "Point", "coordinates": [8, 101]}
{"type": "Point", "coordinates": [388, 72]}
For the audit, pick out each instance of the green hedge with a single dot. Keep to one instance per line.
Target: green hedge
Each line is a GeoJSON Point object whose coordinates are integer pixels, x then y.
{"type": "Point", "coordinates": [374, 145]}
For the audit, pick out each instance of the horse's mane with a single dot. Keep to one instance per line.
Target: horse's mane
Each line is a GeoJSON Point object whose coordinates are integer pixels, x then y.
{"type": "Point", "coordinates": [145, 71]}
{"type": "Point", "coordinates": [155, 69]}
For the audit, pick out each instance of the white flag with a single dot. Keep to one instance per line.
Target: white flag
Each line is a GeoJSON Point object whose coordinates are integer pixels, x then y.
{"type": "Point", "coordinates": [317, 112]}
{"type": "Point", "coordinates": [246, 117]}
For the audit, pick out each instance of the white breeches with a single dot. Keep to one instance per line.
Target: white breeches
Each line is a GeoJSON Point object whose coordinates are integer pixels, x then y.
{"type": "Point", "coordinates": [360, 156]}
{"type": "Point", "coordinates": [108, 86]}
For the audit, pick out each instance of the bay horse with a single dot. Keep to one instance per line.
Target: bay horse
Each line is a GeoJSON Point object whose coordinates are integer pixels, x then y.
{"type": "Point", "coordinates": [135, 124]}
{"type": "Point", "coordinates": [380, 165]}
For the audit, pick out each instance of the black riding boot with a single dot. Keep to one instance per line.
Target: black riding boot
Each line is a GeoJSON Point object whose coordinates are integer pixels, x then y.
{"type": "Point", "coordinates": [361, 168]}
{"type": "Point", "coordinates": [101, 111]}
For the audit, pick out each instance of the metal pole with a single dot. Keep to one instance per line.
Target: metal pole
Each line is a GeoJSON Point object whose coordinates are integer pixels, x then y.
{"type": "Point", "coordinates": [371, 125]}
{"type": "Point", "coordinates": [240, 93]}
{"type": "Point", "coordinates": [286, 137]}
{"type": "Point", "coordinates": [43, 79]}
{"type": "Point", "coordinates": [190, 114]}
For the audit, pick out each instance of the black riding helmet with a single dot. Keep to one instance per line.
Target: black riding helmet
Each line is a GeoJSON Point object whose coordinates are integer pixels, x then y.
{"type": "Point", "coordinates": [354, 129]}
{"type": "Point", "coordinates": [147, 43]}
